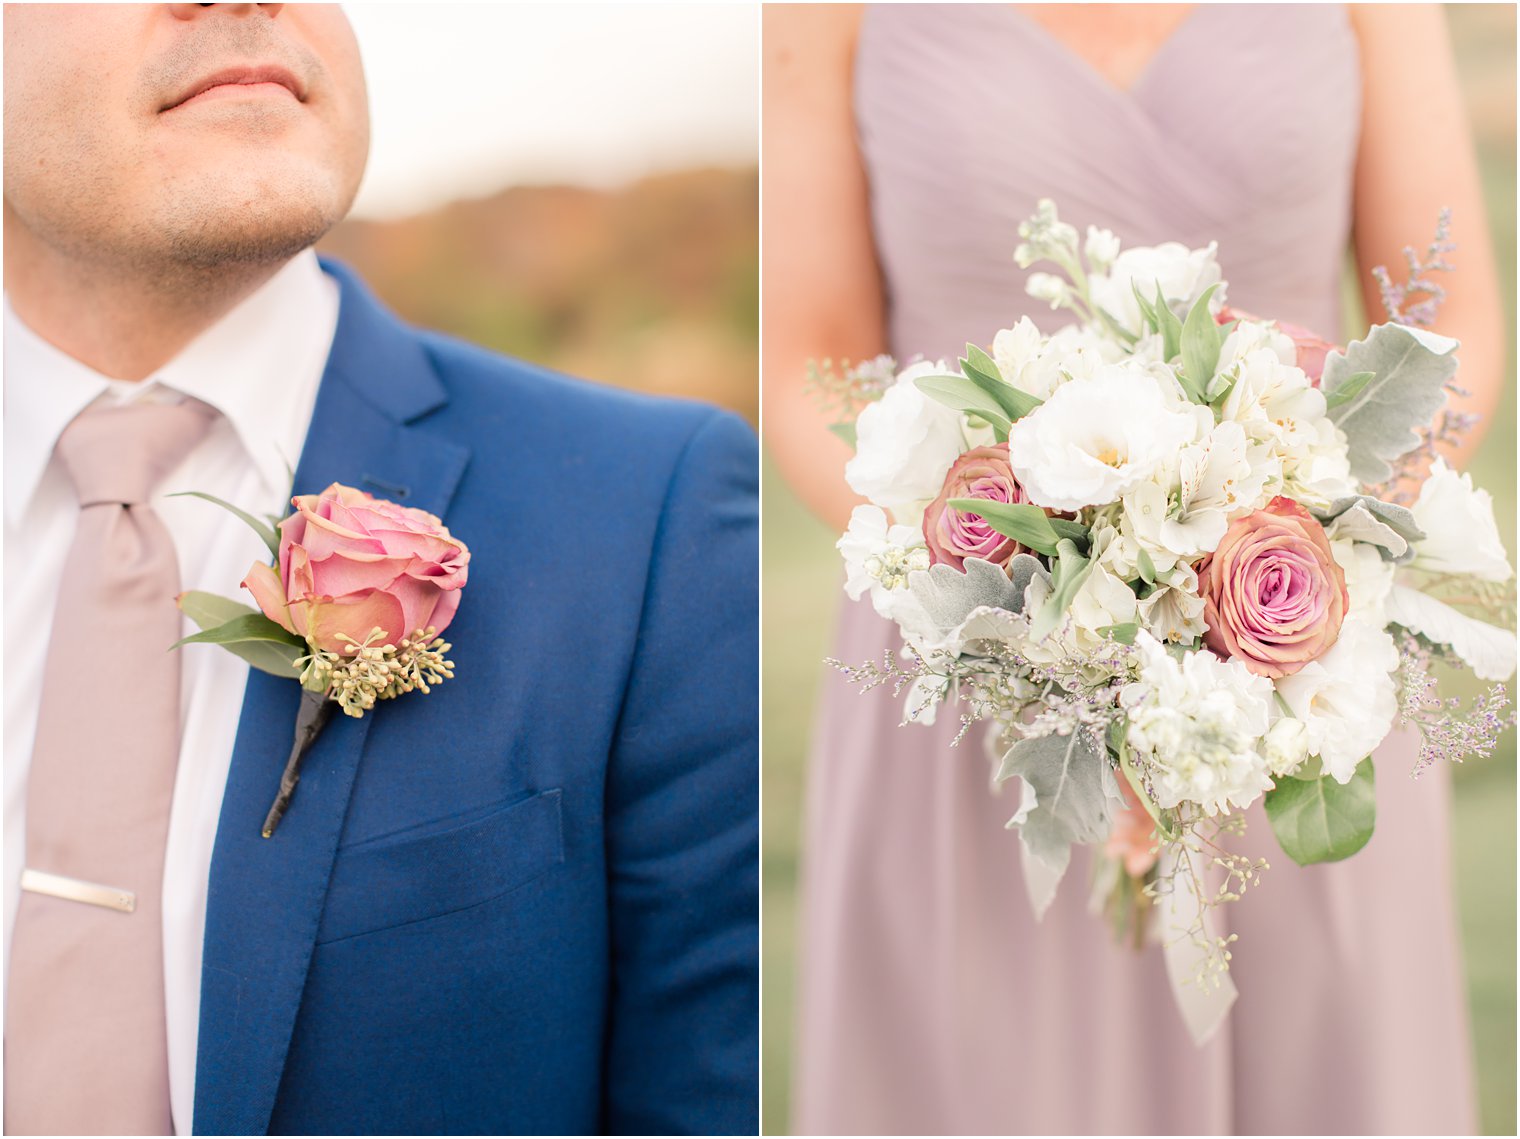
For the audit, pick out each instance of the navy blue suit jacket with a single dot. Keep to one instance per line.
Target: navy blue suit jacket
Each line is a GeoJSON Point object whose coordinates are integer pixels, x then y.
{"type": "Point", "coordinates": [526, 902]}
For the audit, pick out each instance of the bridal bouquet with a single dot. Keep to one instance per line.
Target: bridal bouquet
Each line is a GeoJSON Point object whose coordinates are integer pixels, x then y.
{"type": "Point", "coordinates": [1182, 558]}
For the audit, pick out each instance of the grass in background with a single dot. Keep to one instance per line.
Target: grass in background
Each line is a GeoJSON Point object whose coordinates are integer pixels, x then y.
{"type": "Point", "coordinates": [801, 580]}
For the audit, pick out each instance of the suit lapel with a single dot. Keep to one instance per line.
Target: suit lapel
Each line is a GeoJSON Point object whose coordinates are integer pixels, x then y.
{"type": "Point", "coordinates": [265, 896]}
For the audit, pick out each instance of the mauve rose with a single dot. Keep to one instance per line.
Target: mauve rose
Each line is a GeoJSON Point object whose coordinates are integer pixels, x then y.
{"type": "Point", "coordinates": [955, 535]}
{"type": "Point", "coordinates": [351, 563]}
{"type": "Point", "coordinates": [1273, 595]}
{"type": "Point", "coordinates": [1309, 349]}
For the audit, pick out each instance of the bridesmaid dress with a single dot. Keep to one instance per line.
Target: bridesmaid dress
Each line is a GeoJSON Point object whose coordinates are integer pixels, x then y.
{"type": "Point", "coordinates": [931, 1000]}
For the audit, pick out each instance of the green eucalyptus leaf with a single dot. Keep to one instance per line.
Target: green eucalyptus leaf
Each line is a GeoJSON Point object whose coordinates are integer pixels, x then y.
{"type": "Point", "coordinates": [977, 360]}
{"type": "Point", "coordinates": [1147, 310]}
{"type": "Point", "coordinates": [1320, 820]}
{"type": "Point", "coordinates": [1068, 575]}
{"type": "Point", "coordinates": [1200, 348]}
{"type": "Point", "coordinates": [982, 371]}
{"type": "Point", "coordinates": [269, 534]}
{"type": "Point", "coordinates": [1147, 567]}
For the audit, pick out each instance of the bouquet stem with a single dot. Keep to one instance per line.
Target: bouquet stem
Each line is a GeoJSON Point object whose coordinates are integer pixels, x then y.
{"type": "Point", "coordinates": [316, 710]}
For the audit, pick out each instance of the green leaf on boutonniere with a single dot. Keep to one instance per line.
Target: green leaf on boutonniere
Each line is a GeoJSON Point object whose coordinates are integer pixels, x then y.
{"type": "Point", "coordinates": [1200, 348]}
{"type": "Point", "coordinates": [269, 534]}
{"type": "Point", "coordinates": [1320, 820]}
{"type": "Point", "coordinates": [251, 635]}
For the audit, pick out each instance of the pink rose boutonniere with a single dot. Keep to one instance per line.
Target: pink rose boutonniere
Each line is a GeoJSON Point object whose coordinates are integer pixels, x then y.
{"type": "Point", "coordinates": [353, 608]}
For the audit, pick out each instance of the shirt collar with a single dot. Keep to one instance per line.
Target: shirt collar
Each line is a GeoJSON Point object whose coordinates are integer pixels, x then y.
{"type": "Point", "coordinates": [259, 366]}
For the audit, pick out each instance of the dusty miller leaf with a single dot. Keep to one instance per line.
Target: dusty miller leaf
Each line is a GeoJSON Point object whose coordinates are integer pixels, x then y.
{"type": "Point", "coordinates": [1410, 368]}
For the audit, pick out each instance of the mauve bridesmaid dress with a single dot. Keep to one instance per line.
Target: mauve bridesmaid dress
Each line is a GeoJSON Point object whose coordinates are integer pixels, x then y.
{"type": "Point", "coordinates": [931, 1001]}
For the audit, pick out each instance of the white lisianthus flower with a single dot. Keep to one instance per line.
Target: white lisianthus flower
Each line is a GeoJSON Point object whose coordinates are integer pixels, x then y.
{"type": "Point", "coordinates": [905, 443]}
{"type": "Point", "coordinates": [1461, 536]}
{"type": "Point", "coordinates": [878, 558]}
{"type": "Point", "coordinates": [1183, 274]}
{"type": "Point", "coordinates": [1193, 728]}
{"type": "Point", "coordinates": [1095, 439]}
{"type": "Point", "coordinates": [1286, 746]}
{"type": "Point", "coordinates": [1278, 407]}
{"type": "Point", "coordinates": [1369, 578]}
{"type": "Point", "coordinates": [1347, 698]}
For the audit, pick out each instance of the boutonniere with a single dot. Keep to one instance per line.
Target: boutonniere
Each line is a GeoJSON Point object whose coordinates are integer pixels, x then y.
{"type": "Point", "coordinates": [352, 608]}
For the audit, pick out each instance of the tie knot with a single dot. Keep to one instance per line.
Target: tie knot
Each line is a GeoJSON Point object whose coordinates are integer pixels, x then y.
{"type": "Point", "coordinates": [120, 454]}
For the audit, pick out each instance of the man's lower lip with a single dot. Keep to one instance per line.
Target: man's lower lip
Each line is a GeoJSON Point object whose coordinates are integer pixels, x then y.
{"type": "Point", "coordinates": [239, 91]}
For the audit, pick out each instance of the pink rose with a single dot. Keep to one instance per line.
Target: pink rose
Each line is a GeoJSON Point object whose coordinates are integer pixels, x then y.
{"type": "Point", "coordinates": [954, 535]}
{"type": "Point", "coordinates": [1310, 350]}
{"type": "Point", "coordinates": [1274, 597]}
{"type": "Point", "coordinates": [351, 563]}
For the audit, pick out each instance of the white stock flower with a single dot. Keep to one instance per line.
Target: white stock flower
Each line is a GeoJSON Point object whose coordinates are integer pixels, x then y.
{"type": "Point", "coordinates": [1102, 248]}
{"type": "Point", "coordinates": [905, 443]}
{"type": "Point", "coordinates": [1182, 273]}
{"type": "Point", "coordinates": [1047, 287]}
{"type": "Point", "coordinates": [1347, 698]}
{"type": "Point", "coordinates": [1286, 746]}
{"type": "Point", "coordinates": [1193, 727]}
{"type": "Point", "coordinates": [878, 558]}
{"type": "Point", "coordinates": [1094, 439]}
{"type": "Point", "coordinates": [1461, 536]}
{"type": "Point", "coordinates": [1279, 408]}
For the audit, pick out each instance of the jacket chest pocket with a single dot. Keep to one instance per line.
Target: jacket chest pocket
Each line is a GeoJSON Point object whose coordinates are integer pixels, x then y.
{"type": "Point", "coordinates": [437, 869]}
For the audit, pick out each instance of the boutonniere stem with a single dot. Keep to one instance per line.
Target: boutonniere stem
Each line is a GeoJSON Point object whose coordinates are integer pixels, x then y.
{"type": "Point", "coordinates": [316, 709]}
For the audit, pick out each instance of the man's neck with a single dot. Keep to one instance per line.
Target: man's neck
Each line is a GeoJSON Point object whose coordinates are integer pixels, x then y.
{"type": "Point", "coordinates": [121, 323]}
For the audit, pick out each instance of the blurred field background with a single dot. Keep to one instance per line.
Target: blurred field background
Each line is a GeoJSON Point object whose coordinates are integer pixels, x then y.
{"type": "Point", "coordinates": [575, 185]}
{"type": "Point", "coordinates": [801, 590]}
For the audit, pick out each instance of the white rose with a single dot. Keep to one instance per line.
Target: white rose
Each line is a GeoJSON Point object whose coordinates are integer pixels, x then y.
{"type": "Point", "coordinates": [1095, 439]}
{"type": "Point", "coordinates": [1347, 698]}
{"type": "Point", "coordinates": [1461, 536]}
{"type": "Point", "coordinates": [905, 443]}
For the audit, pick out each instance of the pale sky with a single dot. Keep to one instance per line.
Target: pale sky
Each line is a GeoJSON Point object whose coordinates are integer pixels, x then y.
{"type": "Point", "coordinates": [468, 98]}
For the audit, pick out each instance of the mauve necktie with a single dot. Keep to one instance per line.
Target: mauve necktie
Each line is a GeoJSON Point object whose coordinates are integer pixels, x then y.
{"type": "Point", "coordinates": [85, 1035]}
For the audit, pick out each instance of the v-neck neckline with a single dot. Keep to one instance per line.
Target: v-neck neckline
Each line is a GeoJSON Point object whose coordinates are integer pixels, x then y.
{"type": "Point", "coordinates": [1079, 63]}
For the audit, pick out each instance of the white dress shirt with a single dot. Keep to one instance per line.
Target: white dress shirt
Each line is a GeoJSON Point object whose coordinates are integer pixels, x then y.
{"type": "Point", "coordinates": [260, 367]}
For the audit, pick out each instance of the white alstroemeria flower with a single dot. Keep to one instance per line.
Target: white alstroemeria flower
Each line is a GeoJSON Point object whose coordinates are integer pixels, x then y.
{"type": "Point", "coordinates": [878, 558]}
{"type": "Point", "coordinates": [1347, 698]}
{"type": "Point", "coordinates": [1039, 364]}
{"type": "Point", "coordinates": [1194, 726]}
{"type": "Point", "coordinates": [1369, 578]}
{"type": "Point", "coordinates": [905, 443]}
{"type": "Point", "coordinates": [1286, 746]}
{"type": "Point", "coordinates": [1102, 601]}
{"type": "Point", "coordinates": [1183, 274]}
{"type": "Point", "coordinates": [1279, 408]}
{"type": "Point", "coordinates": [1461, 536]}
{"type": "Point", "coordinates": [1220, 478]}
{"type": "Point", "coordinates": [1250, 336]}
{"type": "Point", "coordinates": [1173, 611]}
{"type": "Point", "coordinates": [1095, 439]}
